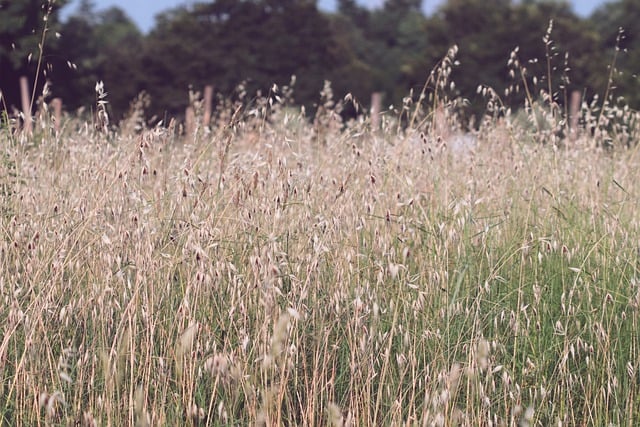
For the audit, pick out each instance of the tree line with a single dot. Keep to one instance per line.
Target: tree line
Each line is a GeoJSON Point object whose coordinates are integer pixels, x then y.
{"type": "Point", "coordinates": [502, 44]}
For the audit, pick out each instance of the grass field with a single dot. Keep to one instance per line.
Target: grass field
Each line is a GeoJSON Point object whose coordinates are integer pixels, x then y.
{"type": "Point", "coordinates": [272, 271]}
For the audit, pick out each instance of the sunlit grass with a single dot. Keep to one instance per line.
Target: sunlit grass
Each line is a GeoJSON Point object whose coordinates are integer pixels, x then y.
{"type": "Point", "coordinates": [275, 272]}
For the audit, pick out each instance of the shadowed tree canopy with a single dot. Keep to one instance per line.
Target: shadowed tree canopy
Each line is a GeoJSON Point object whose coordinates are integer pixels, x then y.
{"type": "Point", "coordinates": [571, 45]}
{"type": "Point", "coordinates": [357, 14]}
{"type": "Point", "coordinates": [402, 6]}
{"type": "Point", "coordinates": [391, 49]}
{"type": "Point", "coordinates": [227, 41]}
{"type": "Point", "coordinates": [384, 48]}
{"type": "Point", "coordinates": [608, 20]}
{"type": "Point", "coordinates": [21, 32]}
{"type": "Point", "coordinates": [486, 31]}
{"type": "Point", "coordinates": [98, 46]}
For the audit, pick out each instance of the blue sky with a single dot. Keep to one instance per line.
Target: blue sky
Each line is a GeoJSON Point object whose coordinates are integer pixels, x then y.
{"type": "Point", "coordinates": [143, 11]}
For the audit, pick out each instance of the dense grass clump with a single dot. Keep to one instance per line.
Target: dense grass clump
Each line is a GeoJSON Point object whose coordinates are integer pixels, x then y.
{"type": "Point", "coordinates": [266, 270]}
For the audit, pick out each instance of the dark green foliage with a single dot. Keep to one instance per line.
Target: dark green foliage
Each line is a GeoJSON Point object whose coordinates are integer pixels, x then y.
{"type": "Point", "coordinates": [391, 49]}
{"type": "Point", "coordinates": [384, 49]}
{"type": "Point", "coordinates": [96, 47]}
{"type": "Point", "coordinates": [21, 32]}
{"type": "Point", "coordinates": [607, 21]}
{"type": "Point", "coordinates": [486, 32]}
{"type": "Point", "coordinates": [225, 42]}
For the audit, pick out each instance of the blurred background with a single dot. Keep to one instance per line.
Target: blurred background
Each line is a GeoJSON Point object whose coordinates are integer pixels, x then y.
{"type": "Point", "coordinates": [164, 48]}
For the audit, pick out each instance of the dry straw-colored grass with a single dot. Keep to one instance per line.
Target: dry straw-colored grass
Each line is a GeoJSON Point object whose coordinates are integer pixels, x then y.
{"type": "Point", "coordinates": [272, 271]}
{"type": "Point", "coordinates": [269, 271]}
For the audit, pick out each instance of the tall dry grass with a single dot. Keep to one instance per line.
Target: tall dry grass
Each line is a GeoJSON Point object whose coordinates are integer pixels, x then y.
{"type": "Point", "coordinates": [268, 270]}
{"type": "Point", "coordinates": [272, 271]}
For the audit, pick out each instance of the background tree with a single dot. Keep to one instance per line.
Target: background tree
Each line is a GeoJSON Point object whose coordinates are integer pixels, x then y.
{"type": "Point", "coordinates": [383, 47]}
{"type": "Point", "coordinates": [391, 49]}
{"type": "Point", "coordinates": [98, 46]}
{"type": "Point", "coordinates": [120, 44]}
{"type": "Point", "coordinates": [228, 41]}
{"type": "Point", "coordinates": [357, 14]}
{"type": "Point", "coordinates": [356, 72]}
{"type": "Point", "coordinates": [398, 30]}
{"type": "Point", "coordinates": [607, 21]}
{"type": "Point", "coordinates": [483, 32]}
{"type": "Point", "coordinates": [486, 31]}
{"type": "Point", "coordinates": [21, 31]}
{"type": "Point", "coordinates": [570, 50]}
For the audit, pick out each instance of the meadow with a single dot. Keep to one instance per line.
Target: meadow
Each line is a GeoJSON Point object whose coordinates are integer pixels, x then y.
{"type": "Point", "coordinates": [273, 270]}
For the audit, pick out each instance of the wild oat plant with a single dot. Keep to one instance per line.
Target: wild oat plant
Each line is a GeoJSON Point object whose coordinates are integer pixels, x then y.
{"type": "Point", "coordinates": [266, 270]}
